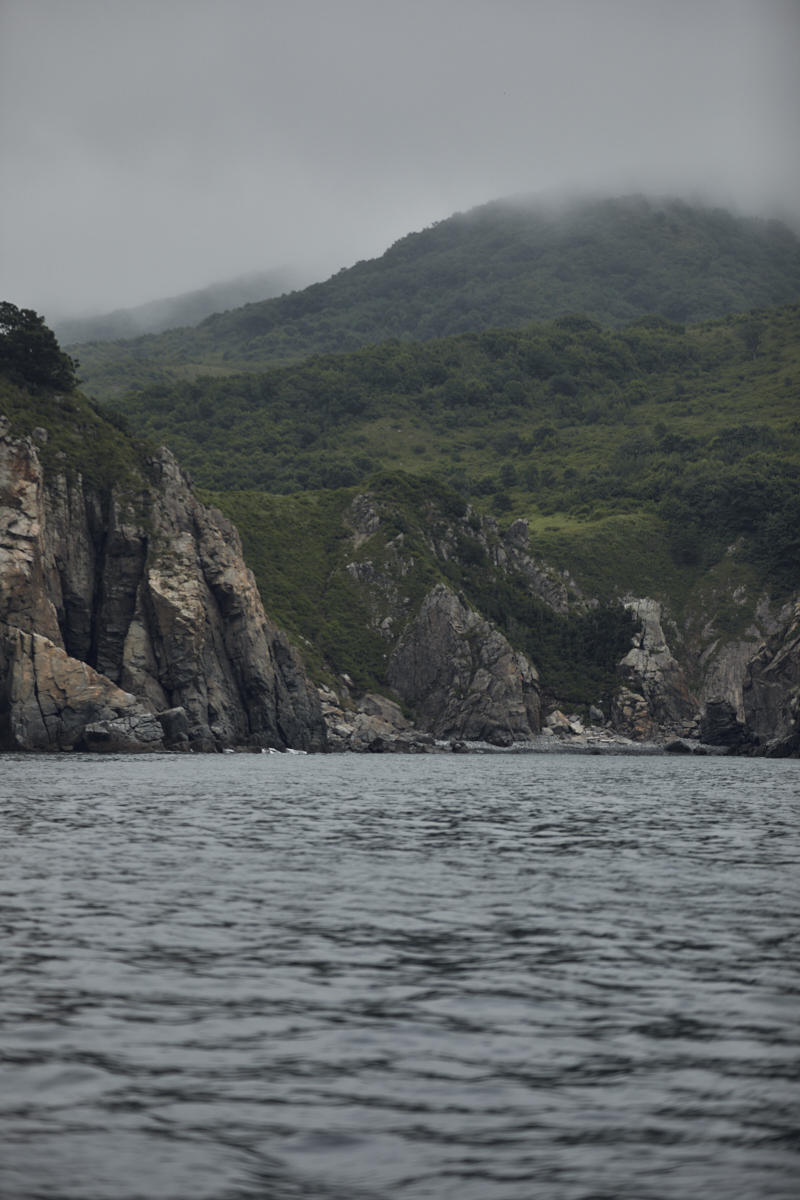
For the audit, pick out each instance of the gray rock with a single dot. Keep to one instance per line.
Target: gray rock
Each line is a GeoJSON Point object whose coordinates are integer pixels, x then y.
{"type": "Point", "coordinates": [719, 725]}
{"type": "Point", "coordinates": [771, 692]}
{"type": "Point", "coordinates": [463, 677]}
{"type": "Point", "coordinates": [152, 592]}
{"type": "Point", "coordinates": [175, 724]}
{"type": "Point", "coordinates": [49, 700]}
{"type": "Point", "coordinates": [656, 697]}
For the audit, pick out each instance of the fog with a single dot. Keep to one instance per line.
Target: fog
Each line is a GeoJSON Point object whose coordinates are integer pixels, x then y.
{"type": "Point", "coordinates": [150, 148]}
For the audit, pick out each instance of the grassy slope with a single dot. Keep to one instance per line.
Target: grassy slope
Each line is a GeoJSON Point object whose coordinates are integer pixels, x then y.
{"type": "Point", "coordinates": [497, 266]}
{"type": "Point", "coordinates": [692, 429]}
{"type": "Point", "coordinates": [81, 439]}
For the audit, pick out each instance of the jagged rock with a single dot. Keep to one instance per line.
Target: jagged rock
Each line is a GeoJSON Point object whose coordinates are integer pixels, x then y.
{"type": "Point", "coordinates": [654, 676]}
{"type": "Point", "coordinates": [771, 692]}
{"type": "Point", "coordinates": [596, 715]}
{"type": "Point", "coordinates": [719, 725]}
{"type": "Point", "coordinates": [24, 599]}
{"type": "Point", "coordinates": [631, 716]}
{"type": "Point", "coordinates": [49, 701]}
{"type": "Point", "coordinates": [150, 590]}
{"type": "Point", "coordinates": [462, 675]}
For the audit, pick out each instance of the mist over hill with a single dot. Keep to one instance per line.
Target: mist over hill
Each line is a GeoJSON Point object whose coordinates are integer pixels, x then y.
{"type": "Point", "coordinates": [505, 264]}
{"type": "Point", "coordinates": [185, 310]}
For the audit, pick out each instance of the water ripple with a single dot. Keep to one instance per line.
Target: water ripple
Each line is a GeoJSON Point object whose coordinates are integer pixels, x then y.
{"type": "Point", "coordinates": [460, 978]}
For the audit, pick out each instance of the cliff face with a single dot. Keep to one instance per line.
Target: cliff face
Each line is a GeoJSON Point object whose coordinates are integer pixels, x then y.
{"type": "Point", "coordinates": [656, 699]}
{"type": "Point", "coordinates": [463, 676]}
{"type": "Point", "coordinates": [771, 693]}
{"type": "Point", "coordinates": [125, 611]}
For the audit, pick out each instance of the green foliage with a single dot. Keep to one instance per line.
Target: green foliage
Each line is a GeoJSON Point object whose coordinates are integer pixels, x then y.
{"type": "Point", "coordinates": [681, 424]}
{"type": "Point", "coordinates": [498, 267]}
{"type": "Point", "coordinates": [29, 352]}
{"type": "Point", "coordinates": [82, 439]}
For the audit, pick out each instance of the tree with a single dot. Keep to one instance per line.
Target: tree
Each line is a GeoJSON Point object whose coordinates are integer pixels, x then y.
{"type": "Point", "coordinates": [29, 351]}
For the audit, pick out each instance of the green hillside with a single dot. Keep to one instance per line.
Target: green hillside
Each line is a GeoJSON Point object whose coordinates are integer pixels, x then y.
{"type": "Point", "coordinates": [699, 427]}
{"type": "Point", "coordinates": [502, 265]}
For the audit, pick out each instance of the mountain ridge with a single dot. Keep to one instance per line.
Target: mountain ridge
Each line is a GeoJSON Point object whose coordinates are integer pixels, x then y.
{"type": "Point", "coordinates": [499, 265]}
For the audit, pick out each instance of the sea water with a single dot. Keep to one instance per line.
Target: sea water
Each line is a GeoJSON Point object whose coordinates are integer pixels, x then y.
{"type": "Point", "coordinates": [420, 978]}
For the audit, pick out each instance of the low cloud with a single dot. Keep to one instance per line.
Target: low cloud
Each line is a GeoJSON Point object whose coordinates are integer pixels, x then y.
{"type": "Point", "coordinates": [151, 148]}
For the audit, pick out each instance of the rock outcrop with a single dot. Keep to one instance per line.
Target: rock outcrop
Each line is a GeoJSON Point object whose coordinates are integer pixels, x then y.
{"type": "Point", "coordinates": [147, 595]}
{"type": "Point", "coordinates": [719, 725]}
{"type": "Point", "coordinates": [50, 701]}
{"type": "Point", "coordinates": [655, 699]}
{"type": "Point", "coordinates": [771, 693]}
{"type": "Point", "coordinates": [463, 677]}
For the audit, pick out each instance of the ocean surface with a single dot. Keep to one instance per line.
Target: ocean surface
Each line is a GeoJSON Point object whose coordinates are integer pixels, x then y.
{"type": "Point", "coordinates": [444, 977]}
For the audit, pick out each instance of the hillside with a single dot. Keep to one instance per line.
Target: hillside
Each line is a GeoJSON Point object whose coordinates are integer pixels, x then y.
{"type": "Point", "coordinates": [501, 265]}
{"type": "Point", "coordinates": [563, 421]}
{"type": "Point", "coordinates": [174, 312]}
{"type": "Point", "coordinates": [653, 465]}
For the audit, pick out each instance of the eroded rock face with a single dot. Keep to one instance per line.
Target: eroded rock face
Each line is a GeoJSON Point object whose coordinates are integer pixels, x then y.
{"type": "Point", "coordinates": [656, 699]}
{"type": "Point", "coordinates": [771, 693]}
{"type": "Point", "coordinates": [51, 701]}
{"type": "Point", "coordinates": [463, 676]}
{"type": "Point", "coordinates": [153, 595]}
{"type": "Point", "coordinates": [24, 599]}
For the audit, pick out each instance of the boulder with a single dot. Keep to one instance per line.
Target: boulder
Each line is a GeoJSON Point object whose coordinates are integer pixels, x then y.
{"type": "Point", "coordinates": [677, 747]}
{"type": "Point", "coordinates": [175, 725]}
{"type": "Point", "coordinates": [385, 710]}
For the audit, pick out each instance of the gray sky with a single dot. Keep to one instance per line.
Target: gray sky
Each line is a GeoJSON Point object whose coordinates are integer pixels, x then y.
{"type": "Point", "coordinates": [150, 148]}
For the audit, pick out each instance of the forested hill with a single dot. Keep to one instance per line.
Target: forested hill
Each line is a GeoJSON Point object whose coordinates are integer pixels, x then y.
{"type": "Point", "coordinates": [501, 265]}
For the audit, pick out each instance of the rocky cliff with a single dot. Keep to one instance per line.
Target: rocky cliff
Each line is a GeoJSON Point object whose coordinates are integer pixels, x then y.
{"type": "Point", "coordinates": [655, 700]}
{"type": "Point", "coordinates": [771, 693]}
{"type": "Point", "coordinates": [130, 621]}
{"type": "Point", "coordinates": [463, 676]}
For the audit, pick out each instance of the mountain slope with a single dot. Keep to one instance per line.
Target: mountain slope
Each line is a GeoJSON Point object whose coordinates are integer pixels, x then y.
{"type": "Point", "coordinates": [175, 312]}
{"type": "Point", "coordinates": [502, 265]}
{"type": "Point", "coordinates": [700, 425]}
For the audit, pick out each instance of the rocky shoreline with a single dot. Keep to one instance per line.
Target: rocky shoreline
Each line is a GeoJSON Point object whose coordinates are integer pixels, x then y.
{"type": "Point", "coordinates": [130, 622]}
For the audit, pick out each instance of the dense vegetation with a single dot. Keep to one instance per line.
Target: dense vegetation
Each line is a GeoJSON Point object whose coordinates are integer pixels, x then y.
{"type": "Point", "coordinates": [500, 266]}
{"type": "Point", "coordinates": [648, 456]}
{"type": "Point", "coordinates": [82, 438]}
{"type": "Point", "coordinates": [699, 428]}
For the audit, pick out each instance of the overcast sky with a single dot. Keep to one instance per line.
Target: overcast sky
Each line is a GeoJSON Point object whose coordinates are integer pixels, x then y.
{"type": "Point", "coordinates": [150, 148]}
